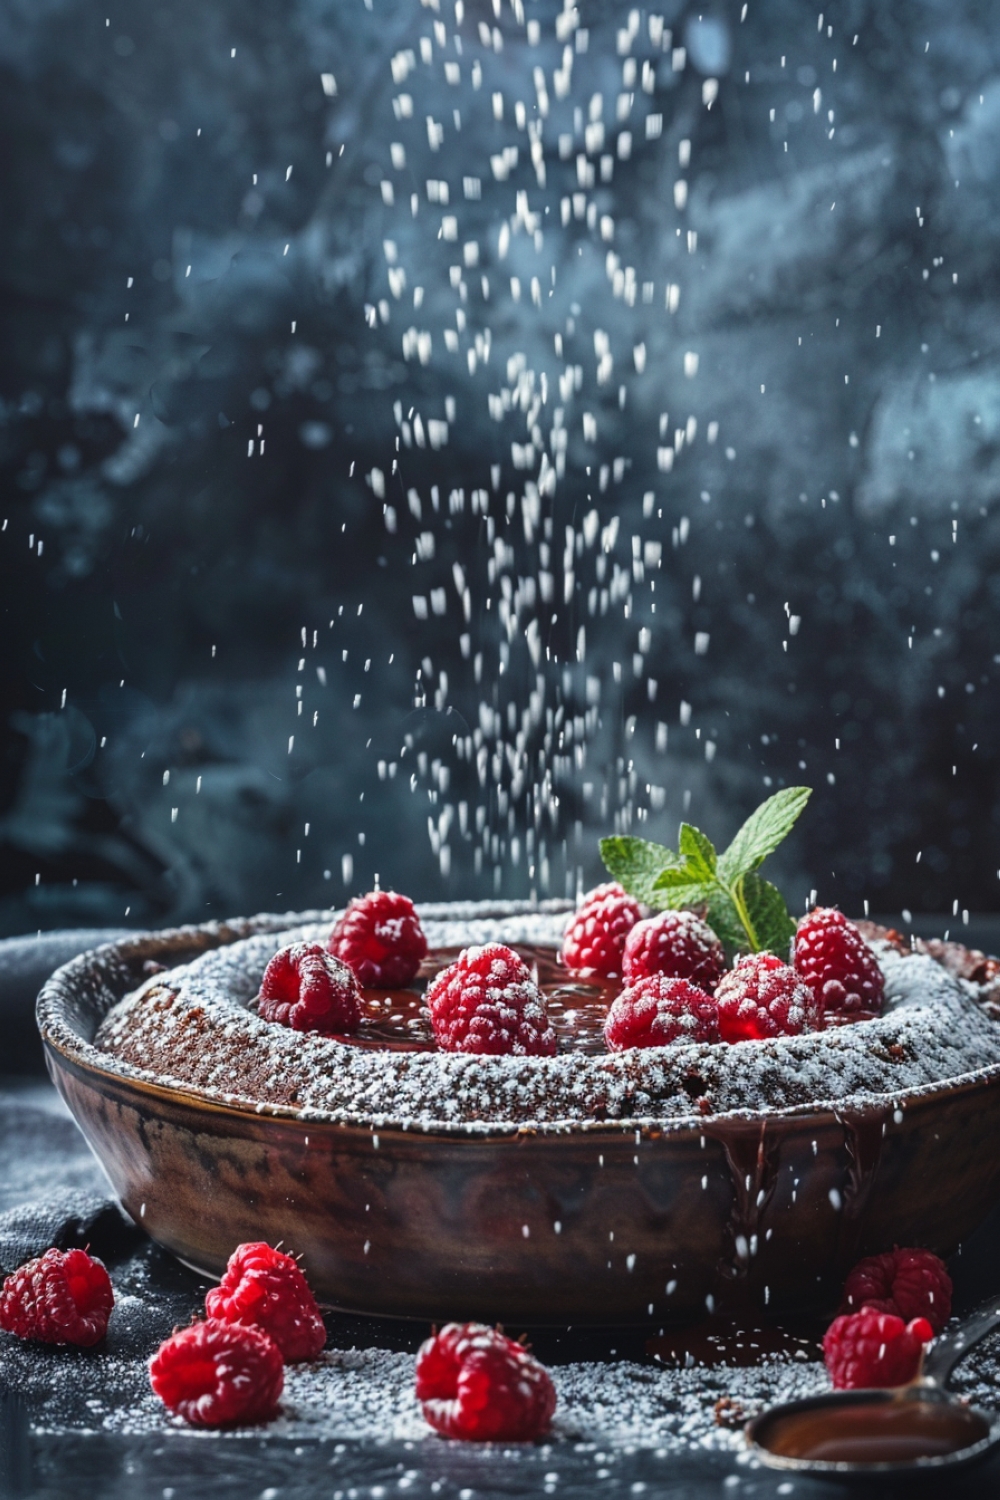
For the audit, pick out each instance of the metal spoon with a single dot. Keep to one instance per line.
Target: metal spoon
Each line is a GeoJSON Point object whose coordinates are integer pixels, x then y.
{"type": "Point", "coordinates": [916, 1429]}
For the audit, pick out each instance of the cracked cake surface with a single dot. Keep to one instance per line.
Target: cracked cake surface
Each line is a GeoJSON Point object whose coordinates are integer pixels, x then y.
{"type": "Point", "coordinates": [193, 1027]}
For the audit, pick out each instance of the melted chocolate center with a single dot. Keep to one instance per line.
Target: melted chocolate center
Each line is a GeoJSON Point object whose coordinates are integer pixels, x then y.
{"type": "Point", "coordinates": [398, 1020]}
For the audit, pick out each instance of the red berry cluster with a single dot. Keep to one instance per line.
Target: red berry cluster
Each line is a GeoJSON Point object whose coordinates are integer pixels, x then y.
{"type": "Point", "coordinates": [677, 944]}
{"type": "Point", "coordinates": [908, 1283]}
{"type": "Point", "coordinates": [380, 938]}
{"type": "Point", "coordinates": [488, 1002]}
{"type": "Point", "coordinates": [62, 1297]}
{"type": "Point", "coordinates": [474, 1383]}
{"type": "Point", "coordinates": [870, 1348]}
{"type": "Point", "coordinates": [594, 942]}
{"type": "Point", "coordinates": [266, 1289]}
{"type": "Point", "coordinates": [307, 989]}
{"type": "Point", "coordinates": [657, 1012]}
{"type": "Point", "coordinates": [216, 1374]}
{"type": "Point", "coordinates": [893, 1305]}
{"type": "Point", "coordinates": [378, 942]}
{"type": "Point", "coordinates": [838, 965]}
{"type": "Point", "coordinates": [676, 987]}
{"type": "Point", "coordinates": [230, 1368]}
{"type": "Point", "coordinates": [762, 997]}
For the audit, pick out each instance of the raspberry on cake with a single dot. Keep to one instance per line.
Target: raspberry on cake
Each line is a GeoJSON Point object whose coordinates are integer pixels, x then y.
{"type": "Point", "coordinates": [62, 1297]}
{"type": "Point", "coordinates": [908, 1283]}
{"type": "Point", "coordinates": [307, 989]}
{"type": "Point", "coordinates": [874, 1349]}
{"type": "Point", "coordinates": [762, 997]}
{"type": "Point", "coordinates": [836, 962]}
{"type": "Point", "coordinates": [595, 938]}
{"type": "Point", "coordinates": [476, 1384]}
{"type": "Point", "coordinates": [380, 938]}
{"type": "Point", "coordinates": [676, 943]}
{"type": "Point", "coordinates": [266, 1289]}
{"type": "Point", "coordinates": [217, 1374]}
{"type": "Point", "coordinates": [487, 1002]}
{"type": "Point", "coordinates": [657, 1011]}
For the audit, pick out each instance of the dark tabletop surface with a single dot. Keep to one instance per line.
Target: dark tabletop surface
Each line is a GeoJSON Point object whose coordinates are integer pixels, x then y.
{"type": "Point", "coordinates": [75, 1419]}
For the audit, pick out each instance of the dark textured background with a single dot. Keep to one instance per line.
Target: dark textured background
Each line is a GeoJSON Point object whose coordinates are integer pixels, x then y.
{"type": "Point", "coordinates": [842, 297]}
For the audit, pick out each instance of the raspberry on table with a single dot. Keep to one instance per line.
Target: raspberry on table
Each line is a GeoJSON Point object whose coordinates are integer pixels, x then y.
{"type": "Point", "coordinates": [833, 958]}
{"type": "Point", "coordinates": [676, 943]}
{"type": "Point", "coordinates": [308, 989]}
{"type": "Point", "coordinates": [908, 1283]}
{"type": "Point", "coordinates": [216, 1374]}
{"type": "Point", "coordinates": [380, 938]}
{"type": "Point", "coordinates": [475, 1383]}
{"type": "Point", "coordinates": [265, 1288]}
{"type": "Point", "coordinates": [763, 997]}
{"type": "Point", "coordinates": [658, 1011]}
{"type": "Point", "coordinates": [61, 1297]}
{"type": "Point", "coordinates": [594, 941]}
{"type": "Point", "coordinates": [487, 1002]}
{"type": "Point", "coordinates": [870, 1349]}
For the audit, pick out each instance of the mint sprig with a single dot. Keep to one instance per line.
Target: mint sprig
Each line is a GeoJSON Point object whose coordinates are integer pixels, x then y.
{"type": "Point", "coordinates": [745, 911]}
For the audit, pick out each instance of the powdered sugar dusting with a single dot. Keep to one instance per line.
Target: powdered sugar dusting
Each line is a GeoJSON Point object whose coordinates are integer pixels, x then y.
{"type": "Point", "coordinates": [191, 1027]}
{"type": "Point", "coordinates": [368, 1395]}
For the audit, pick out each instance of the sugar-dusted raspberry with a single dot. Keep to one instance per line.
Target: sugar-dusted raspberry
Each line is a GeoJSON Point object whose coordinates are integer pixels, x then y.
{"type": "Point", "coordinates": [476, 1384]}
{"type": "Point", "coordinates": [658, 1011]}
{"type": "Point", "coordinates": [62, 1297]}
{"type": "Point", "coordinates": [868, 1349]}
{"type": "Point", "coordinates": [217, 1374]}
{"type": "Point", "coordinates": [595, 938]}
{"type": "Point", "coordinates": [263, 1287]}
{"type": "Point", "coordinates": [908, 1283]}
{"type": "Point", "coordinates": [487, 1001]}
{"type": "Point", "coordinates": [678, 944]}
{"type": "Point", "coordinates": [308, 989]}
{"type": "Point", "coordinates": [834, 959]}
{"type": "Point", "coordinates": [763, 997]}
{"type": "Point", "coordinates": [381, 939]}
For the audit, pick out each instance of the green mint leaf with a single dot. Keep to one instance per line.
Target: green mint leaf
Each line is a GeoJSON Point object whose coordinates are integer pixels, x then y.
{"type": "Point", "coordinates": [679, 875]}
{"type": "Point", "coordinates": [723, 918]}
{"type": "Point", "coordinates": [698, 850]}
{"type": "Point", "coordinates": [685, 893]}
{"type": "Point", "coordinates": [636, 863]}
{"type": "Point", "coordinates": [765, 906]}
{"type": "Point", "coordinates": [762, 832]}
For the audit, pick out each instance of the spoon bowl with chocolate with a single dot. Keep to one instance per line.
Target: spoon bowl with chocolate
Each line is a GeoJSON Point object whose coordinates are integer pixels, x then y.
{"type": "Point", "coordinates": [648, 1186]}
{"type": "Point", "coordinates": [868, 1434]}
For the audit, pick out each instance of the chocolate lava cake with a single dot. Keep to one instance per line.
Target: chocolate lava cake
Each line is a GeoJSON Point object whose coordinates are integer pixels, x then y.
{"type": "Point", "coordinates": [195, 1028]}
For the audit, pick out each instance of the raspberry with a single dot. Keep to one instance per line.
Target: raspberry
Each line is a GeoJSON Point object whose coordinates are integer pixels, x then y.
{"type": "Point", "coordinates": [381, 939]}
{"type": "Point", "coordinates": [595, 938]}
{"type": "Point", "coordinates": [763, 997]}
{"type": "Point", "coordinates": [215, 1374]}
{"type": "Point", "coordinates": [487, 1001]}
{"type": "Point", "coordinates": [308, 989]}
{"type": "Point", "coordinates": [476, 1384]}
{"type": "Point", "coordinates": [657, 1011]}
{"type": "Point", "coordinates": [62, 1297]}
{"type": "Point", "coordinates": [266, 1289]}
{"type": "Point", "coordinates": [834, 959]}
{"type": "Point", "coordinates": [676, 943]}
{"type": "Point", "coordinates": [869, 1348]}
{"type": "Point", "coordinates": [907, 1283]}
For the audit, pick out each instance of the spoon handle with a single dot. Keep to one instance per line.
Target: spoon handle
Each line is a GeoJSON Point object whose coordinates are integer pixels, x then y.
{"type": "Point", "coordinates": [946, 1351]}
